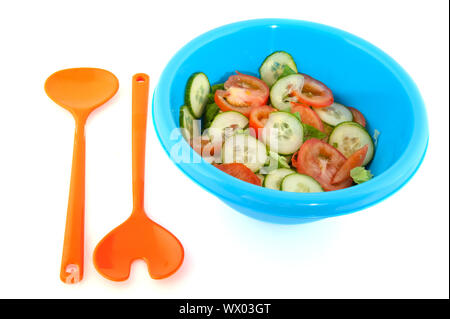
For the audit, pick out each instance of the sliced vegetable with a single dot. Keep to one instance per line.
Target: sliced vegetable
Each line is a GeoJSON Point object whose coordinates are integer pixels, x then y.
{"type": "Point", "coordinates": [360, 175]}
{"type": "Point", "coordinates": [242, 91]}
{"type": "Point", "coordinates": [314, 93]}
{"type": "Point", "coordinates": [283, 133]}
{"type": "Point", "coordinates": [307, 115]}
{"type": "Point", "coordinates": [348, 137]}
{"type": "Point", "coordinates": [196, 95]}
{"type": "Point", "coordinates": [240, 171]}
{"type": "Point", "coordinates": [294, 159]}
{"type": "Point", "coordinates": [274, 178]}
{"type": "Point", "coordinates": [334, 114]}
{"type": "Point", "coordinates": [190, 127]}
{"type": "Point", "coordinates": [245, 149]}
{"type": "Point", "coordinates": [321, 161]}
{"type": "Point", "coordinates": [205, 148]}
{"type": "Point", "coordinates": [274, 65]}
{"type": "Point", "coordinates": [211, 111]}
{"type": "Point", "coordinates": [225, 123]}
{"type": "Point", "coordinates": [300, 183]}
{"type": "Point", "coordinates": [258, 118]}
{"type": "Point", "coordinates": [224, 105]}
{"type": "Point", "coordinates": [281, 93]}
{"type": "Point", "coordinates": [355, 160]}
{"type": "Point", "coordinates": [357, 116]}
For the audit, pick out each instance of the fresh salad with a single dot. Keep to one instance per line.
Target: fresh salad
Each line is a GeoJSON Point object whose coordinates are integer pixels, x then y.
{"type": "Point", "coordinates": [282, 131]}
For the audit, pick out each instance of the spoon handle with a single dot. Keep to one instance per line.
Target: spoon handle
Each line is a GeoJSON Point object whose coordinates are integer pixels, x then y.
{"type": "Point", "coordinates": [73, 251]}
{"type": "Point", "coordinates": [140, 87]}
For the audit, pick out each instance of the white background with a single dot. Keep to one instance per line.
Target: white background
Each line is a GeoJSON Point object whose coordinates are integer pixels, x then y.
{"type": "Point", "coordinates": [399, 248]}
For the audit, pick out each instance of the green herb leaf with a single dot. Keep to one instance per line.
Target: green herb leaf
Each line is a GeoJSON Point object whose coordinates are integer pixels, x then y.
{"type": "Point", "coordinates": [210, 113]}
{"type": "Point", "coordinates": [311, 132]}
{"type": "Point", "coordinates": [360, 175]}
{"type": "Point", "coordinates": [286, 71]}
{"type": "Point", "coordinates": [274, 161]}
{"type": "Point", "coordinates": [214, 88]}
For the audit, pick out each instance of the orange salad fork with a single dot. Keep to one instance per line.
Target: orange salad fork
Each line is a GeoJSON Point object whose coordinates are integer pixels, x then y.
{"type": "Point", "coordinates": [138, 237]}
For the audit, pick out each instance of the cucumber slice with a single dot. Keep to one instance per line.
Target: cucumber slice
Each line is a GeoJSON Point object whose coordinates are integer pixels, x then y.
{"type": "Point", "coordinates": [211, 111]}
{"type": "Point", "coordinates": [225, 123]}
{"type": "Point", "coordinates": [348, 137]}
{"type": "Point", "coordinates": [274, 178]}
{"type": "Point", "coordinates": [281, 89]}
{"type": "Point", "coordinates": [283, 133]}
{"type": "Point", "coordinates": [196, 95]}
{"type": "Point", "coordinates": [300, 183]}
{"type": "Point", "coordinates": [190, 127]}
{"type": "Point", "coordinates": [245, 149]}
{"type": "Point", "coordinates": [334, 114]}
{"type": "Point", "coordinates": [273, 66]}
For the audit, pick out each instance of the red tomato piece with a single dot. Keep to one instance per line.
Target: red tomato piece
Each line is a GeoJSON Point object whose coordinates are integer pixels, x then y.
{"type": "Point", "coordinates": [314, 93]}
{"type": "Point", "coordinates": [240, 171]}
{"type": "Point", "coordinates": [294, 159]}
{"type": "Point", "coordinates": [357, 116]}
{"type": "Point", "coordinates": [258, 117]}
{"type": "Point", "coordinates": [224, 105]}
{"type": "Point", "coordinates": [355, 160]}
{"type": "Point", "coordinates": [321, 161]}
{"type": "Point", "coordinates": [307, 115]}
{"type": "Point", "coordinates": [243, 90]}
{"type": "Point", "coordinates": [205, 148]}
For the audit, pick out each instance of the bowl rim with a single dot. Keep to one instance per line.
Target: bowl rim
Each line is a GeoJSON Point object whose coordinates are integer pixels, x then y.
{"type": "Point", "coordinates": [231, 189]}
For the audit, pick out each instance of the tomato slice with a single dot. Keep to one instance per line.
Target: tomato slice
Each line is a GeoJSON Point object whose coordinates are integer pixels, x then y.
{"type": "Point", "coordinates": [321, 161]}
{"type": "Point", "coordinates": [205, 148]}
{"type": "Point", "coordinates": [240, 171]}
{"type": "Point", "coordinates": [294, 159]}
{"type": "Point", "coordinates": [242, 92]}
{"type": "Point", "coordinates": [246, 90]}
{"type": "Point", "coordinates": [355, 160]}
{"type": "Point", "coordinates": [307, 115]}
{"type": "Point", "coordinates": [258, 117]}
{"type": "Point", "coordinates": [357, 116]}
{"type": "Point", "coordinates": [222, 103]}
{"type": "Point", "coordinates": [314, 93]}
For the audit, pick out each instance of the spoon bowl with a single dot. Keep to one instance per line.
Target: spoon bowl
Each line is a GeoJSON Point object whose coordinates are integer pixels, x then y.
{"type": "Point", "coordinates": [81, 89]}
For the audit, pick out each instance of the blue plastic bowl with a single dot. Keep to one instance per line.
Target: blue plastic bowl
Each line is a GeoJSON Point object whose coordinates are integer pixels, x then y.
{"type": "Point", "coordinates": [358, 73]}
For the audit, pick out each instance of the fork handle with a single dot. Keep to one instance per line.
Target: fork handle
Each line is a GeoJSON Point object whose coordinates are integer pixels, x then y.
{"type": "Point", "coordinates": [140, 88]}
{"type": "Point", "coordinates": [73, 250]}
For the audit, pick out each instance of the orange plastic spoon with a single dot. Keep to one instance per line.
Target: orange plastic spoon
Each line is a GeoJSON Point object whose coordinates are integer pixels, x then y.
{"type": "Point", "coordinates": [80, 91]}
{"type": "Point", "coordinates": [138, 237]}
